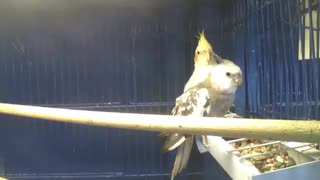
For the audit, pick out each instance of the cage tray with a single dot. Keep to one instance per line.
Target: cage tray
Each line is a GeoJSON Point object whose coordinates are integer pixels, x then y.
{"type": "Point", "coordinates": [305, 156]}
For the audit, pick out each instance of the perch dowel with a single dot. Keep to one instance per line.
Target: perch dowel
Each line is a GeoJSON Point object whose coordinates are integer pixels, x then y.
{"type": "Point", "coordinates": [266, 129]}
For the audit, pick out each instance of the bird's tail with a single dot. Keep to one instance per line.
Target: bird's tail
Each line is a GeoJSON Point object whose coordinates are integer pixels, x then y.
{"type": "Point", "coordinates": [182, 156]}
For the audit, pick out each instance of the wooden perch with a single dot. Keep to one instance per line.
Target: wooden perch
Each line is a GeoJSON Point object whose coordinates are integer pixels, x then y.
{"type": "Point", "coordinates": [266, 129]}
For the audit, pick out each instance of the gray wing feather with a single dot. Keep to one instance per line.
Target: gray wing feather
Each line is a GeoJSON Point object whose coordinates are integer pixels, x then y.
{"type": "Point", "coordinates": [193, 102]}
{"type": "Point", "coordinates": [182, 157]}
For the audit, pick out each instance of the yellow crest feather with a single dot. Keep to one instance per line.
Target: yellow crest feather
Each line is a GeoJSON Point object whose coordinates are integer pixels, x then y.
{"type": "Point", "coordinates": [204, 47]}
{"type": "Point", "coordinates": [203, 43]}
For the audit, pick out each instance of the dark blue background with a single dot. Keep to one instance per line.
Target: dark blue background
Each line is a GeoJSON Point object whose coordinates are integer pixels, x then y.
{"type": "Point", "coordinates": [135, 56]}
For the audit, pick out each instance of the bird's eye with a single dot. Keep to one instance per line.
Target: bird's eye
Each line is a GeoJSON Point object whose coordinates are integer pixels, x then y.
{"type": "Point", "coordinates": [228, 74]}
{"type": "Point", "coordinates": [198, 52]}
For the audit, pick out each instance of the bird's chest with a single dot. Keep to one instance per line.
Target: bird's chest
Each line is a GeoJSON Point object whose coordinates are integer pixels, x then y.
{"type": "Point", "coordinates": [219, 105]}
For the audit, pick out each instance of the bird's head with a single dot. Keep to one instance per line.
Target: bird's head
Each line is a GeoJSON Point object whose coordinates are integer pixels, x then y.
{"type": "Point", "coordinates": [226, 77]}
{"type": "Point", "coordinates": [204, 54]}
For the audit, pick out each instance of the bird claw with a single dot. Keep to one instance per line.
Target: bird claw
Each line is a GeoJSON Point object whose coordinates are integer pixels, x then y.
{"type": "Point", "coordinates": [232, 115]}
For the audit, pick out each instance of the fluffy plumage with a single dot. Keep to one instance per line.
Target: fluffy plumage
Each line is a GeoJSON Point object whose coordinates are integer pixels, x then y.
{"type": "Point", "coordinates": [211, 97]}
{"type": "Point", "coordinates": [210, 91]}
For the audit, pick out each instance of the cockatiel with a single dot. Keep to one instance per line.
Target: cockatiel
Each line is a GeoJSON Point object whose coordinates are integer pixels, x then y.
{"type": "Point", "coordinates": [204, 58]}
{"type": "Point", "coordinates": [212, 96]}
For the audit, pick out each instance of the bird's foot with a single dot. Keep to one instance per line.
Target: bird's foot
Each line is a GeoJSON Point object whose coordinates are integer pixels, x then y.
{"type": "Point", "coordinates": [231, 115]}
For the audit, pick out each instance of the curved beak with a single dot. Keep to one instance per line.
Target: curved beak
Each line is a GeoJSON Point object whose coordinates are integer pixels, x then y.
{"type": "Point", "coordinates": [237, 78]}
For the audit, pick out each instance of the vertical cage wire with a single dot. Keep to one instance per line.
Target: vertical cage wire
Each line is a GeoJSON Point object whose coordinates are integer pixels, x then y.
{"type": "Point", "coordinates": [280, 83]}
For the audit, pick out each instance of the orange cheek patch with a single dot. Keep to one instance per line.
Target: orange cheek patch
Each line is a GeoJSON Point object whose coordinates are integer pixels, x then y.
{"type": "Point", "coordinates": [195, 58]}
